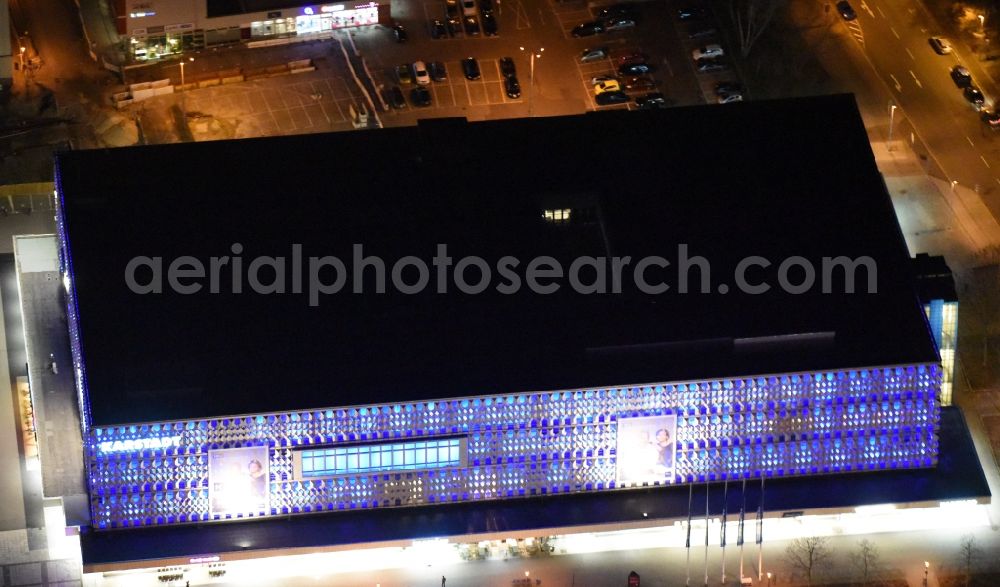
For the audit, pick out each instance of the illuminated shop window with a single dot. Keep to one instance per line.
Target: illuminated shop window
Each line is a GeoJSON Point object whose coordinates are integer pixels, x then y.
{"type": "Point", "coordinates": [430, 454]}
{"type": "Point", "coordinates": [558, 216]}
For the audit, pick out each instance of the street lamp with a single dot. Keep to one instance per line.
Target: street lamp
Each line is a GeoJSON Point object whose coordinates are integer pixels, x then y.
{"type": "Point", "coordinates": [769, 575]}
{"type": "Point", "coordinates": [182, 70]}
{"type": "Point", "coordinates": [531, 82]}
{"type": "Point", "coordinates": [21, 56]}
{"type": "Point", "coordinates": [927, 567]}
{"type": "Point", "coordinates": [982, 22]}
{"type": "Point", "coordinates": [892, 117]}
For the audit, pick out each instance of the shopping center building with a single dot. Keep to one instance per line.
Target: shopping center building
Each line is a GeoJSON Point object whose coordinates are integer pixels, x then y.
{"type": "Point", "coordinates": [157, 28]}
{"type": "Point", "coordinates": [246, 368]}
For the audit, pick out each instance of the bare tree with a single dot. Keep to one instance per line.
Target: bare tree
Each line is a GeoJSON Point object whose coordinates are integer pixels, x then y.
{"type": "Point", "coordinates": [751, 18]}
{"type": "Point", "coordinates": [866, 560]}
{"type": "Point", "coordinates": [968, 554]}
{"type": "Point", "coordinates": [810, 556]}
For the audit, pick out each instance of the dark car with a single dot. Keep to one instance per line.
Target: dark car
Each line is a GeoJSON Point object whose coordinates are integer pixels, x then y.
{"type": "Point", "coordinates": [961, 76]}
{"type": "Point", "coordinates": [471, 24]}
{"type": "Point", "coordinates": [399, 32]}
{"type": "Point", "coordinates": [588, 29]}
{"type": "Point", "coordinates": [438, 29]}
{"type": "Point", "coordinates": [623, 9]}
{"type": "Point", "coordinates": [454, 27]}
{"type": "Point", "coordinates": [507, 68]}
{"type": "Point", "coordinates": [512, 87]}
{"type": "Point", "coordinates": [691, 13]}
{"type": "Point", "coordinates": [723, 88]}
{"type": "Point", "coordinates": [438, 71]}
{"type": "Point", "coordinates": [489, 24]}
{"type": "Point", "coordinates": [638, 82]}
{"type": "Point", "coordinates": [991, 119]}
{"type": "Point", "coordinates": [846, 11]}
{"type": "Point", "coordinates": [975, 96]}
{"type": "Point", "coordinates": [486, 6]}
{"type": "Point", "coordinates": [702, 33]}
{"type": "Point", "coordinates": [634, 69]}
{"type": "Point", "coordinates": [420, 96]}
{"type": "Point", "coordinates": [618, 23]}
{"type": "Point", "coordinates": [451, 8]}
{"type": "Point", "coordinates": [710, 64]}
{"type": "Point", "coordinates": [631, 57]}
{"type": "Point", "coordinates": [651, 101]}
{"type": "Point", "coordinates": [470, 67]}
{"type": "Point", "coordinates": [606, 98]}
{"type": "Point", "coordinates": [395, 97]}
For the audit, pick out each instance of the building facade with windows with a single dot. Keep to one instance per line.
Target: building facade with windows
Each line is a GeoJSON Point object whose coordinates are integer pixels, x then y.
{"type": "Point", "coordinates": [211, 401]}
{"type": "Point", "coordinates": [154, 29]}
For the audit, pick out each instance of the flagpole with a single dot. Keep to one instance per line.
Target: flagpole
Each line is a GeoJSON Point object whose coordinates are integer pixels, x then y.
{"type": "Point", "coordinates": [706, 533]}
{"type": "Point", "coordinates": [739, 528]}
{"type": "Point", "coordinates": [760, 532]}
{"type": "Point", "coordinates": [687, 543]}
{"type": "Point", "coordinates": [722, 537]}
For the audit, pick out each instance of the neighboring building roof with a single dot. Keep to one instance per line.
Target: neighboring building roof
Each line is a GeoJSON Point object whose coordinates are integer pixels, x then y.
{"type": "Point", "coordinates": [935, 281]}
{"type": "Point", "coordinates": [769, 178]}
{"type": "Point", "coordinates": [958, 476]}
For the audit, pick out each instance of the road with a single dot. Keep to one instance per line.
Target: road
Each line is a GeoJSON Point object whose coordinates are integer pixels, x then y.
{"type": "Point", "coordinates": [894, 40]}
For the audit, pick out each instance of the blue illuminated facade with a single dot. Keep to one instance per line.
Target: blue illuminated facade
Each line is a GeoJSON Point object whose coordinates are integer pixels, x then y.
{"type": "Point", "coordinates": [520, 445]}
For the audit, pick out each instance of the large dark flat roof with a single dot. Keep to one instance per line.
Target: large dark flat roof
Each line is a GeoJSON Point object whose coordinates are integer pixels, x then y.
{"type": "Point", "coordinates": [776, 179]}
{"type": "Point", "coordinates": [958, 475]}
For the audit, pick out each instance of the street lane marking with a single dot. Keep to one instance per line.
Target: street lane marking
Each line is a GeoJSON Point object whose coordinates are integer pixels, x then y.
{"type": "Point", "coordinates": [910, 54]}
{"type": "Point", "coordinates": [997, 178]}
{"type": "Point", "coordinates": [899, 86]}
{"type": "Point", "coordinates": [894, 32]}
{"type": "Point", "coordinates": [867, 9]}
{"type": "Point", "coordinates": [970, 141]}
{"type": "Point", "coordinates": [880, 11]}
{"type": "Point", "coordinates": [920, 85]}
{"type": "Point", "coordinates": [670, 70]}
{"type": "Point", "coordinates": [985, 162]}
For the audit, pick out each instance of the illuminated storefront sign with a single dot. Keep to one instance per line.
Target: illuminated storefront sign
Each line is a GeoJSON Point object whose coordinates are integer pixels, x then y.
{"type": "Point", "coordinates": [137, 444]}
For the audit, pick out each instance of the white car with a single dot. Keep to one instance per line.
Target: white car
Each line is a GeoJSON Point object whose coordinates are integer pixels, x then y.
{"type": "Point", "coordinates": [730, 98]}
{"type": "Point", "coordinates": [420, 73]}
{"type": "Point", "coordinates": [468, 7]}
{"type": "Point", "coordinates": [713, 50]}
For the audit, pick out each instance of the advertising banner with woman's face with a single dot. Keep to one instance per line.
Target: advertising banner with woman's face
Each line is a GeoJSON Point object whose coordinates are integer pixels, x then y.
{"type": "Point", "coordinates": [238, 480]}
{"type": "Point", "coordinates": [646, 449]}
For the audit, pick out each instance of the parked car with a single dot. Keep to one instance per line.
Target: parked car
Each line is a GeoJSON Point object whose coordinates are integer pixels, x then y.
{"type": "Point", "coordinates": [961, 76]}
{"type": "Point", "coordinates": [703, 33]}
{"type": "Point", "coordinates": [588, 29]}
{"type": "Point", "coordinates": [728, 87]}
{"type": "Point", "coordinates": [846, 11]}
{"type": "Point", "coordinates": [451, 8]}
{"type": "Point", "coordinates": [420, 96]}
{"type": "Point", "coordinates": [610, 85]}
{"type": "Point", "coordinates": [420, 73]}
{"type": "Point", "coordinates": [651, 101]}
{"type": "Point", "coordinates": [395, 97]}
{"type": "Point", "coordinates": [602, 78]}
{"type": "Point", "coordinates": [595, 54]}
{"type": "Point", "coordinates": [470, 67]}
{"type": "Point", "coordinates": [468, 7]}
{"type": "Point", "coordinates": [438, 29]}
{"type": "Point", "coordinates": [489, 24]}
{"type": "Point", "coordinates": [630, 57]}
{"type": "Point", "coordinates": [404, 74]}
{"type": "Point", "coordinates": [729, 98]}
{"type": "Point", "coordinates": [634, 69]}
{"type": "Point", "coordinates": [941, 45]}
{"type": "Point", "coordinates": [639, 82]}
{"type": "Point", "coordinates": [507, 67]}
{"type": "Point", "coordinates": [399, 33]}
{"type": "Point", "coordinates": [991, 119]}
{"type": "Point", "coordinates": [625, 9]}
{"type": "Point", "coordinates": [712, 50]}
{"type": "Point", "coordinates": [975, 96]}
{"type": "Point", "coordinates": [454, 27]}
{"type": "Point", "coordinates": [607, 98]}
{"type": "Point", "coordinates": [471, 25]}
{"type": "Point", "coordinates": [512, 87]}
{"type": "Point", "coordinates": [486, 6]}
{"type": "Point", "coordinates": [710, 64]}
{"type": "Point", "coordinates": [618, 23]}
{"type": "Point", "coordinates": [692, 12]}
{"type": "Point", "coordinates": [439, 72]}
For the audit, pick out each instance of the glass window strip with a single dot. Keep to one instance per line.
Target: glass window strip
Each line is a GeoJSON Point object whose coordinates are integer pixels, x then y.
{"type": "Point", "coordinates": [431, 454]}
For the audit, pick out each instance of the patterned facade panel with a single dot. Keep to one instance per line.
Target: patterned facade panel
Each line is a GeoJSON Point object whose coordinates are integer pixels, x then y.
{"type": "Point", "coordinates": [518, 445]}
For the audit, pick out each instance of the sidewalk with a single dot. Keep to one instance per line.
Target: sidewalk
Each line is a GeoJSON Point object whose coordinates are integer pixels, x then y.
{"type": "Point", "coordinates": [100, 33]}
